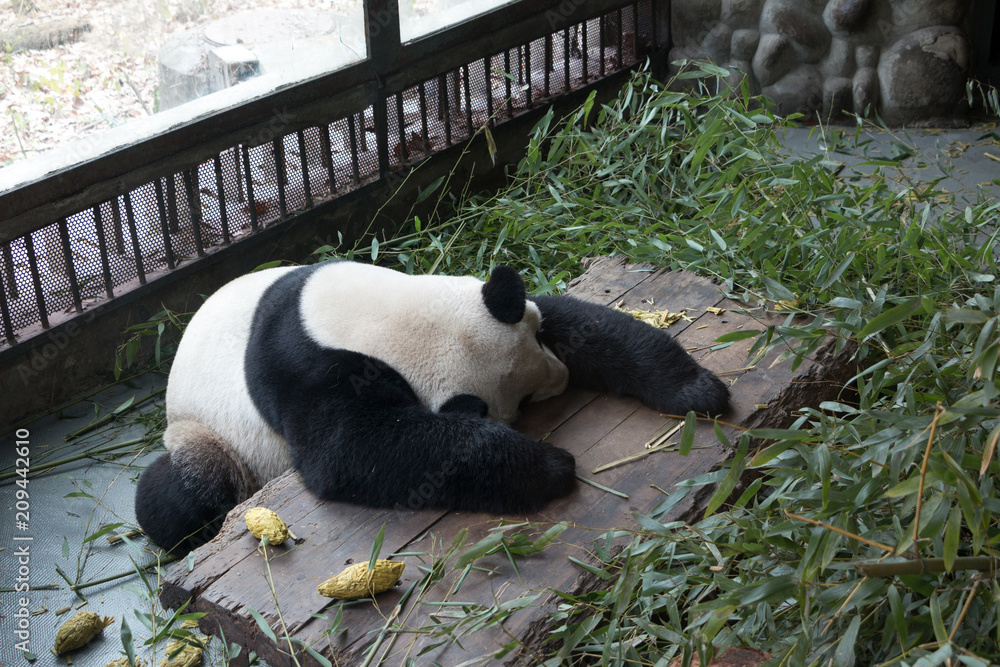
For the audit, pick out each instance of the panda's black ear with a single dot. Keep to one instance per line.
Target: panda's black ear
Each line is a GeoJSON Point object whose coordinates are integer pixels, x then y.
{"type": "Point", "coordinates": [504, 295]}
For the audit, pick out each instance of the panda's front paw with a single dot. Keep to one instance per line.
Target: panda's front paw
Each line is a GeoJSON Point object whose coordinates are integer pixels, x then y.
{"type": "Point", "coordinates": [554, 477]}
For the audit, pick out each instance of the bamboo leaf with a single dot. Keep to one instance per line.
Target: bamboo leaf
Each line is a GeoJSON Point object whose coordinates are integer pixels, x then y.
{"type": "Point", "coordinates": [687, 434]}
{"type": "Point", "coordinates": [952, 531]}
{"type": "Point", "coordinates": [846, 647]}
{"type": "Point", "coordinates": [262, 624]}
{"type": "Point", "coordinates": [734, 336]}
{"type": "Point", "coordinates": [376, 547]}
{"type": "Point", "coordinates": [732, 478]}
{"type": "Point", "coordinates": [892, 316]}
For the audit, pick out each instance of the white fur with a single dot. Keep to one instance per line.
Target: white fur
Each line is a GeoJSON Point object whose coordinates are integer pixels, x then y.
{"type": "Point", "coordinates": [207, 383]}
{"type": "Point", "coordinates": [434, 330]}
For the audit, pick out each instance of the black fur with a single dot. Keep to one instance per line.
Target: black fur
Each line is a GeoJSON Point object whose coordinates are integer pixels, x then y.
{"type": "Point", "coordinates": [504, 295]}
{"type": "Point", "coordinates": [607, 350]}
{"type": "Point", "coordinates": [358, 433]}
{"type": "Point", "coordinates": [466, 404]}
{"type": "Point", "coordinates": [180, 507]}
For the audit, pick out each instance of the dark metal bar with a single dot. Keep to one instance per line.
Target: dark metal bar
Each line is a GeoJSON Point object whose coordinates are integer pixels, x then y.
{"type": "Point", "coordinates": [36, 281]}
{"type": "Point", "coordinates": [423, 119]}
{"type": "Point", "coordinates": [353, 139]}
{"type": "Point", "coordinates": [326, 149]}
{"type": "Point", "coordinates": [173, 218]}
{"type": "Point", "coordinates": [102, 247]}
{"type": "Point", "coordinates": [635, 32]}
{"type": "Point", "coordinates": [140, 271]}
{"type": "Point", "coordinates": [447, 110]}
{"type": "Point", "coordinates": [8, 328]}
{"type": "Point", "coordinates": [220, 190]}
{"type": "Point", "coordinates": [510, 94]}
{"type": "Point", "coordinates": [363, 130]}
{"type": "Point", "coordinates": [8, 266]}
{"type": "Point", "coordinates": [74, 285]}
{"type": "Point", "coordinates": [527, 73]}
{"type": "Point", "coordinates": [240, 194]}
{"type": "Point", "coordinates": [116, 214]}
{"type": "Point", "coordinates": [620, 34]}
{"type": "Point", "coordinates": [382, 134]}
{"type": "Point", "coordinates": [168, 249]}
{"type": "Point", "coordinates": [654, 18]}
{"type": "Point", "coordinates": [567, 87]}
{"type": "Point", "coordinates": [278, 149]}
{"type": "Point", "coordinates": [251, 203]}
{"type": "Point", "coordinates": [585, 50]}
{"type": "Point", "coordinates": [194, 207]}
{"type": "Point", "coordinates": [488, 81]}
{"type": "Point", "coordinates": [548, 64]}
{"type": "Point", "coordinates": [601, 25]}
{"type": "Point", "coordinates": [468, 100]}
{"type": "Point", "coordinates": [442, 82]}
{"type": "Point", "coordinates": [404, 154]}
{"type": "Point", "coordinates": [304, 165]}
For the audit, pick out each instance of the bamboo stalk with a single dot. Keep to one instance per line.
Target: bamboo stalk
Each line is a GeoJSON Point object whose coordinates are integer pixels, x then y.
{"type": "Point", "coordinates": [602, 487]}
{"type": "Point", "coordinates": [632, 457]}
{"type": "Point", "coordinates": [121, 575]}
{"type": "Point", "coordinates": [922, 565]}
{"type": "Point", "coordinates": [111, 416]}
{"type": "Point", "coordinates": [923, 475]}
{"type": "Point", "coordinates": [814, 522]}
{"type": "Point", "coordinates": [76, 457]}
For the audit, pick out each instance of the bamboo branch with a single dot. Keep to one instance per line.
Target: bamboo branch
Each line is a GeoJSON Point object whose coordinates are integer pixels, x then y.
{"type": "Point", "coordinates": [111, 416]}
{"type": "Point", "coordinates": [843, 532]}
{"type": "Point", "coordinates": [923, 565]}
{"type": "Point", "coordinates": [121, 575]}
{"type": "Point", "coordinates": [923, 475]}
{"type": "Point", "coordinates": [76, 457]}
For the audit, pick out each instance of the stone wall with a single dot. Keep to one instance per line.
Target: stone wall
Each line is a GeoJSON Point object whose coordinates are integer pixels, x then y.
{"type": "Point", "coordinates": [907, 59]}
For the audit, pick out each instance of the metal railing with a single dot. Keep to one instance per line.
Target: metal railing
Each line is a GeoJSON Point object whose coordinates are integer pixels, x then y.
{"type": "Point", "coordinates": [93, 231]}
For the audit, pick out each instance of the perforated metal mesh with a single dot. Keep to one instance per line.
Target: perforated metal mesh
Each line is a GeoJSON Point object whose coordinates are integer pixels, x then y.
{"type": "Point", "coordinates": [104, 251]}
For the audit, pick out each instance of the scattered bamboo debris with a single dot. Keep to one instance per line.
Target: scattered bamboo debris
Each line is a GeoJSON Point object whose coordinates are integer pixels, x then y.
{"type": "Point", "coordinates": [657, 443]}
{"type": "Point", "coordinates": [661, 319]}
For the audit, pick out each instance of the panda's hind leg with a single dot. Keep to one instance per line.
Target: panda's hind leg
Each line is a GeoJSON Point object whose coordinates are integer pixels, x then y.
{"type": "Point", "coordinates": [183, 497]}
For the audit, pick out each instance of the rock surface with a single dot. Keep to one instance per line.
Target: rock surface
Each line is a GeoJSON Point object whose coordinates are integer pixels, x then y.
{"type": "Point", "coordinates": [906, 59]}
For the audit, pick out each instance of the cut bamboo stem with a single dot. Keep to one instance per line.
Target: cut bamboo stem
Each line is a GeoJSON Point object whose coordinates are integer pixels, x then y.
{"type": "Point", "coordinates": [922, 565]}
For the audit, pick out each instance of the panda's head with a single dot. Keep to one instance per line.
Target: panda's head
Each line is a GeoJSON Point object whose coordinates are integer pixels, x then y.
{"type": "Point", "coordinates": [495, 329]}
{"type": "Point", "coordinates": [447, 335]}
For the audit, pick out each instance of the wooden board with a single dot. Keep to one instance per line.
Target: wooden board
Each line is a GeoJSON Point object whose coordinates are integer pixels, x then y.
{"type": "Point", "coordinates": [230, 576]}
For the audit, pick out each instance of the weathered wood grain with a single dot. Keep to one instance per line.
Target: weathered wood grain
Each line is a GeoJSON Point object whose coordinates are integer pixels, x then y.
{"type": "Point", "coordinates": [230, 575]}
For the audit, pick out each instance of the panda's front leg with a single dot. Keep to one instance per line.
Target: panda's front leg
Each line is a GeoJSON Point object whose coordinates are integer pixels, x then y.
{"type": "Point", "coordinates": [373, 443]}
{"type": "Point", "coordinates": [610, 351]}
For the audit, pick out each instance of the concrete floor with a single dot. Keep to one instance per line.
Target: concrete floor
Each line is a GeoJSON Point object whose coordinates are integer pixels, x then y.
{"type": "Point", "coordinates": [77, 499]}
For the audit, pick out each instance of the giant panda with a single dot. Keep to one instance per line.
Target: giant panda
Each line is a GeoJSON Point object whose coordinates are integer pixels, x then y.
{"type": "Point", "coordinates": [369, 382]}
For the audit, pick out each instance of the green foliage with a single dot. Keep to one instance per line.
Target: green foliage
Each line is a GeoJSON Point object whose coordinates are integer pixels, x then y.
{"type": "Point", "coordinates": [904, 464]}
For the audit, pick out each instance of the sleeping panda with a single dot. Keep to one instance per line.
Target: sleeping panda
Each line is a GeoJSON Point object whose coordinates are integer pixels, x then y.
{"type": "Point", "coordinates": [369, 381]}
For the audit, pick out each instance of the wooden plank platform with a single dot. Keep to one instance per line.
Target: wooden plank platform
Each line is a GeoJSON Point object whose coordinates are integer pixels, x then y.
{"type": "Point", "coordinates": [229, 576]}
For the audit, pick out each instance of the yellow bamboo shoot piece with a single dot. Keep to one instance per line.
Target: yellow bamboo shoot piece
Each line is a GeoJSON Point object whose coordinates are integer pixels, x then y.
{"type": "Point", "coordinates": [190, 655]}
{"type": "Point", "coordinates": [357, 581]}
{"type": "Point", "coordinates": [263, 522]}
{"type": "Point", "coordinates": [80, 629]}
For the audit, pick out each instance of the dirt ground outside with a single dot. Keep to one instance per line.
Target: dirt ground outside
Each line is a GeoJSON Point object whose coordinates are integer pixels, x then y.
{"type": "Point", "coordinates": [108, 75]}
